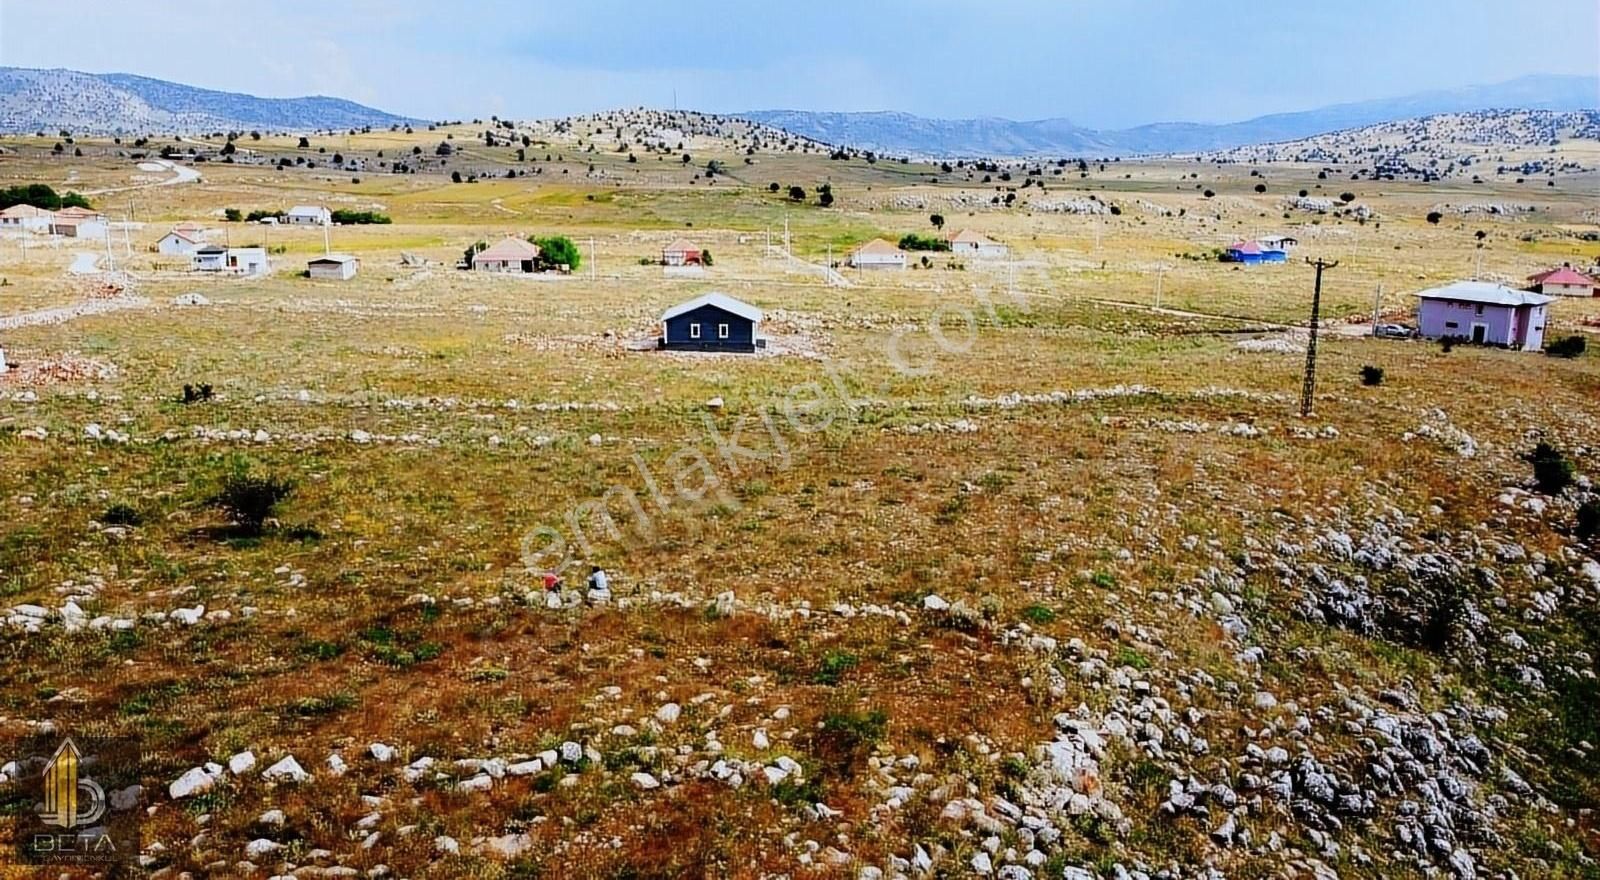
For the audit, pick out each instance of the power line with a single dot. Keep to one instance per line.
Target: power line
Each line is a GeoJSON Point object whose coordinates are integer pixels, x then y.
{"type": "Point", "coordinates": [1309, 389]}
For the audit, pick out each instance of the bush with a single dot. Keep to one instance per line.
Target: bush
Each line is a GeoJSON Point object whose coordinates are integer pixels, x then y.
{"type": "Point", "coordinates": [1567, 347]}
{"type": "Point", "coordinates": [558, 250]}
{"type": "Point", "coordinates": [120, 514]}
{"type": "Point", "coordinates": [1552, 471]}
{"type": "Point", "coordinates": [360, 218]}
{"type": "Point", "coordinates": [1371, 375]}
{"type": "Point", "coordinates": [1434, 217]}
{"type": "Point", "coordinates": [705, 257]}
{"type": "Point", "coordinates": [195, 394]}
{"type": "Point", "coordinates": [1589, 519]}
{"type": "Point", "coordinates": [250, 500]}
{"type": "Point", "coordinates": [834, 665]}
{"type": "Point", "coordinates": [232, 215]}
{"type": "Point", "coordinates": [914, 242]}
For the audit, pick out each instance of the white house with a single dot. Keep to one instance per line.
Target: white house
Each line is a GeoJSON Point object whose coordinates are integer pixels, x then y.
{"type": "Point", "coordinates": [1283, 243]}
{"type": "Point", "coordinates": [248, 261]}
{"type": "Point", "coordinates": [25, 218]}
{"type": "Point", "coordinates": [178, 243]}
{"type": "Point", "coordinates": [209, 258]}
{"type": "Point", "coordinates": [878, 254]}
{"type": "Point", "coordinates": [969, 243]}
{"type": "Point", "coordinates": [333, 267]}
{"type": "Point", "coordinates": [78, 223]}
{"type": "Point", "coordinates": [233, 260]}
{"type": "Point", "coordinates": [510, 254]}
{"type": "Point", "coordinates": [308, 215]}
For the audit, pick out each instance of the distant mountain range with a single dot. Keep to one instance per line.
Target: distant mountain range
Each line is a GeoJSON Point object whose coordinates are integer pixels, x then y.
{"type": "Point", "coordinates": [903, 133]}
{"type": "Point", "coordinates": [119, 103]}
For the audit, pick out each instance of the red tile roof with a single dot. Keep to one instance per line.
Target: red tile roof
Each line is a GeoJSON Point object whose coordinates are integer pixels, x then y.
{"type": "Point", "coordinates": [1563, 275]}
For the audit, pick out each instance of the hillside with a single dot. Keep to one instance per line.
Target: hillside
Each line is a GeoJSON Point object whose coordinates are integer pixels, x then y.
{"type": "Point", "coordinates": [119, 103]}
{"type": "Point", "coordinates": [906, 133]}
{"type": "Point", "coordinates": [1447, 145]}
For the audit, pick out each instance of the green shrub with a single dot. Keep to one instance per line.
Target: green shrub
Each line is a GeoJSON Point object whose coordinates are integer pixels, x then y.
{"type": "Point", "coordinates": [911, 241]}
{"type": "Point", "coordinates": [249, 499]}
{"type": "Point", "coordinates": [1567, 347]}
{"type": "Point", "coordinates": [1589, 519]}
{"type": "Point", "coordinates": [360, 218]}
{"type": "Point", "coordinates": [834, 665]}
{"type": "Point", "coordinates": [1371, 375]}
{"type": "Point", "coordinates": [1552, 471]}
{"type": "Point", "coordinates": [120, 514]}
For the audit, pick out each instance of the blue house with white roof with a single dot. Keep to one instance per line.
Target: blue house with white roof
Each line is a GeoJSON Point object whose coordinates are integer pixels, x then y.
{"type": "Point", "coordinates": [712, 322]}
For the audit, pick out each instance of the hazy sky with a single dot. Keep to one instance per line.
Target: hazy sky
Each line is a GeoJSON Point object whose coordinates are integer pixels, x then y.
{"type": "Point", "coordinates": [1109, 63]}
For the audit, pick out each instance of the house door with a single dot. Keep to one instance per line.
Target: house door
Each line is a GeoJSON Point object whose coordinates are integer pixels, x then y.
{"type": "Point", "coordinates": [1480, 334]}
{"type": "Point", "coordinates": [527, 265]}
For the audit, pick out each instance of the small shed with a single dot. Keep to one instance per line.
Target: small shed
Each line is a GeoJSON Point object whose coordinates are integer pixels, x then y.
{"type": "Point", "coordinates": [681, 252]}
{"type": "Point", "coordinates": [971, 243]}
{"type": "Point", "coordinates": [510, 254]}
{"type": "Point", "coordinates": [333, 267]}
{"type": "Point", "coordinates": [308, 215]}
{"type": "Point", "coordinates": [1564, 281]}
{"type": "Point", "coordinates": [712, 322]}
{"type": "Point", "coordinates": [178, 243]}
{"type": "Point", "coordinates": [878, 254]}
{"type": "Point", "coordinates": [1283, 243]}
{"type": "Point", "coordinates": [247, 261]}
{"type": "Point", "coordinates": [1484, 313]}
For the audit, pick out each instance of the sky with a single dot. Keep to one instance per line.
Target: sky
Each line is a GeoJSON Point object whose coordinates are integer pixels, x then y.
{"type": "Point", "coordinates": [1113, 63]}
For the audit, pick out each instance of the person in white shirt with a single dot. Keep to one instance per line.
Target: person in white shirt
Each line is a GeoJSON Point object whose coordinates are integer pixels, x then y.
{"type": "Point", "coordinates": [599, 585]}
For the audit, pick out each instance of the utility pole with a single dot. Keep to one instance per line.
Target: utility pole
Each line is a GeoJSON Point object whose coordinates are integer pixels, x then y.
{"type": "Point", "coordinates": [327, 247]}
{"type": "Point", "coordinates": [592, 268]}
{"type": "Point", "coordinates": [1160, 272]}
{"type": "Point", "coordinates": [1377, 309]}
{"type": "Point", "coordinates": [1310, 387]}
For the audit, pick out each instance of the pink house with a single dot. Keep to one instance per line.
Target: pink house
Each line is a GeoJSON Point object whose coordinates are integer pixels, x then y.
{"type": "Point", "coordinates": [1484, 313]}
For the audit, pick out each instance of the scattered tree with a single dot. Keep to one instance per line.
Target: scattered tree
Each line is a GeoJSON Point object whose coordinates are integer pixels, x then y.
{"type": "Point", "coordinates": [937, 220]}
{"type": "Point", "coordinates": [558, 250]}
{"type": "Point", "coordinates": [1434, 217]}
{"type": "Point", "coordinates": [1371, 375]}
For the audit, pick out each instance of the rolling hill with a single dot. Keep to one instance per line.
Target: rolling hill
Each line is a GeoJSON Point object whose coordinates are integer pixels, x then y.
{"type": "Point", "coordinates": [905, 133]}
{"type": "Point", "coordinates": [119, 103]}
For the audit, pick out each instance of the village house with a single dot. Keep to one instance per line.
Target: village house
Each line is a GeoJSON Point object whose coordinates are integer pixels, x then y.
{"type": "Point", "coordinates": [878, 254]}
{"type": "Point", "coordinates": [681, 252]}
{"type": "Point", "coordinates": [712, 322]}
{"type": "Point", "coordinates": [1252, 252]}
{"type": "Point", "coordinates": [78, 223]}
{"type": "Point", "coordinates": [333, 267]}
{"type": "Point", "coordinates": [971, 243]}
{"type": "Point", "coordinates": [1283, 243]}
{"type": "Point", "coordinates": [1484, 313]}
{"type": "Point", "coordinates": [232, 260]}
{"type": "Point", "coordinates": [510, 254]}
{"type": "Point", "coordinates": [308, 215]}
{"type": "Point", "coordinates": [1564, 281]}
{"type": "Point", "coordinates": [25, 218]}
{"type": "Point", "coordinates": [178, 243]}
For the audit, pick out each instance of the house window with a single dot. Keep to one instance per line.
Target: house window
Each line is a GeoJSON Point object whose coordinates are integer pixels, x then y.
{"type": "Point", "coordinates": [694, 331]}
{"type": "Point", "coordinates": [1478, 310]}
{"type": "Point", "coordinates": [722, 331]}
{"type": "Point", "coordinates": [1451, 325]}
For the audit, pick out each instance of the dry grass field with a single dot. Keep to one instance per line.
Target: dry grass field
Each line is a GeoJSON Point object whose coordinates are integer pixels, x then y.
{"type": "Point", "coordinates": [989, 568]}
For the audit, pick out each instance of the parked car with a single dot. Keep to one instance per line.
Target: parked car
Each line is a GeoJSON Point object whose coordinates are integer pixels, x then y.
{"type": "Point", "coordinates": [1393, 331]}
